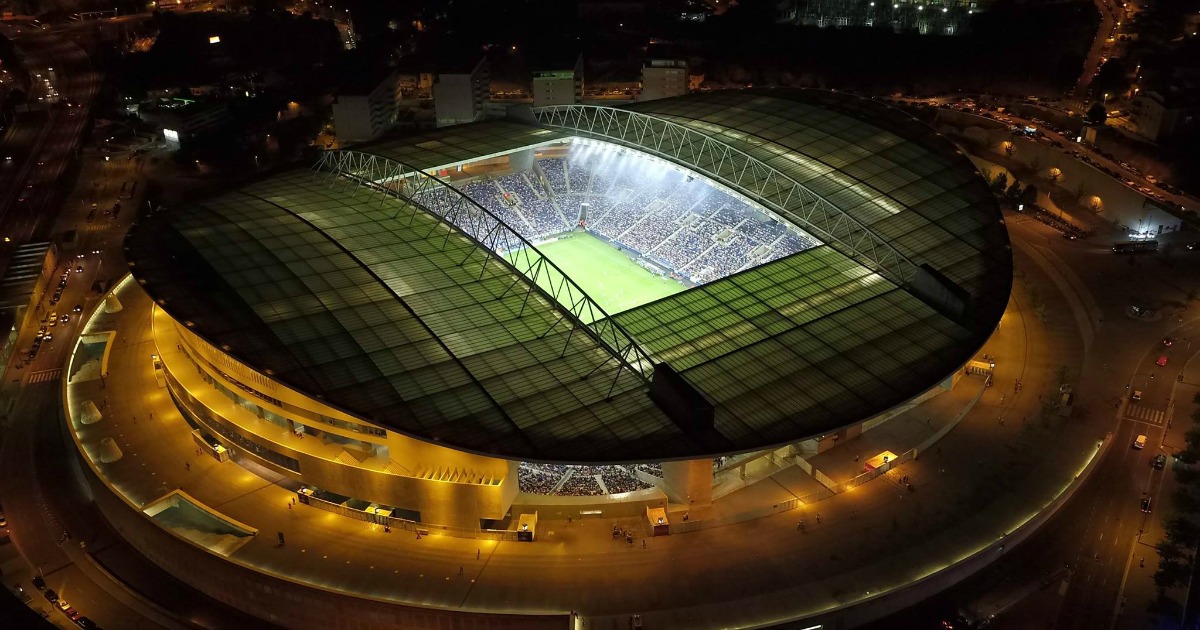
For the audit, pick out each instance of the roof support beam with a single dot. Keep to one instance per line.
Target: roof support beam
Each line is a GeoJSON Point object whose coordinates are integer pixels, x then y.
{"type": "Point", "coordinates": [687, 146]}
{"type": "Point", "coordinates": [495, 241]}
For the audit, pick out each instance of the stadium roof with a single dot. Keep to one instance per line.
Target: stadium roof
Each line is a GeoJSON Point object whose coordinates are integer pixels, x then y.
{"type": "Point", "coordinates": [377, 307]}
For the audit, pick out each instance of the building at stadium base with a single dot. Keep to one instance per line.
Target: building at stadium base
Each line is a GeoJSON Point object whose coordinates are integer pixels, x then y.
{"type": "Point", "coordinates": [597, 308]}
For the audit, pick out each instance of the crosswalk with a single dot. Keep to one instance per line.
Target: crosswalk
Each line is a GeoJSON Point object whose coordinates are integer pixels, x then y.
{"type": "Point", "coordinates": [1145, 414]}
{"type": "Point", "coordinates": [44, 376]}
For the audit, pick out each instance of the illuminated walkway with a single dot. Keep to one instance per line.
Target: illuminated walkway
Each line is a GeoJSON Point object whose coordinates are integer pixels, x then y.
{"type": "Point", "coordinates": [984, 479]}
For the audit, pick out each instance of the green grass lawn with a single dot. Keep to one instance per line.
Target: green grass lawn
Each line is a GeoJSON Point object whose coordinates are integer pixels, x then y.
{"type": "Point", "coordinates": [610, 277]}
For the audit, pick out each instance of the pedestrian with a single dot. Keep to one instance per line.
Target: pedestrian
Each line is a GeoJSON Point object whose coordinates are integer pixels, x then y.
{"type": "Point", "coordinates": [187, 465]}
{"type": "Point", "coordinates": [289, 504]}
{"type": "Point", "coordinates": [1142, 564]}
{"type": "Point", "coordinates": [476, 554]}
{"type": "Point", "coordinates": [856, 457]}
{"type": "Point", "coordinates": [151, 415]}
{"type": "Point", "coordinates": [460, 570]}
{"type": "Point", "coordinates": [280, 538]}
{"type": "Point", "coordinates": [643, 543]}
{"type": "Point", "coordinates": [569, 521]}
{"type": "Point", "coordinates": [135, 419]}
{"type": "Point", "coordinates": [818, 518]}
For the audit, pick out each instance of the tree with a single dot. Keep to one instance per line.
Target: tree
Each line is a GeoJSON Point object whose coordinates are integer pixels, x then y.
{"type": "Point", "coordinates": [1097, 114]}
{"type": "Point", "coordinates": [1185, 501]}
{"type": "Point", "coordinates": [1112, 79]}
{"type": "Point", "coordinates": [1182, 531]}
{"type": "Point", "coordinates": [1014, 191]}
{"type": "Point", "coordinates": [1172, 573]}
{"type": "Point", "coordinates": [1193, 437]}
{"type": "Point", "coordinates": [1029, 195]}
{"type": "Point", "coordinates": [1186, 476]}
{"type": "Point", "coordinates": [1000, 182]}
{"type": "Point", "coordinates": [1169, 551]}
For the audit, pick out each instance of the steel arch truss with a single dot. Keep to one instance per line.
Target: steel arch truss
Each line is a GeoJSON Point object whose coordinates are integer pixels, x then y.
{"type": "Point", "coordinates": [492, 241]}
{"type": "Point", "coordinates": [733, 167]}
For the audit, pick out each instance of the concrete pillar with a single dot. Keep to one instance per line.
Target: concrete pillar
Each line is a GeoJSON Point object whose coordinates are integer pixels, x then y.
{"type": "Point", "coordinates": [109, 451]}
{"type": "Point", "coordinates": [689, 482]}
{"type": "Point", "coordinates": [90, 414]}
{"type": "Point", "coordinates": [112, 304]}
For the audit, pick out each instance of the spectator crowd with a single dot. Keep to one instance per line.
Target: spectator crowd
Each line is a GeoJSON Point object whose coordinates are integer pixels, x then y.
{"type": "Point", "coordinates": [680, 222]}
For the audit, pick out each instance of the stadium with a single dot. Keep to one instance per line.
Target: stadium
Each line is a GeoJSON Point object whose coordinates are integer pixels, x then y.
{"type": "Point", "coordinates": [575, 310]}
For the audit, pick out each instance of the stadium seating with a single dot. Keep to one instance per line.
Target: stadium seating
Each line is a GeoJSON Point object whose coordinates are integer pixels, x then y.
{"type": "Point", "coordinates": [678, 221]}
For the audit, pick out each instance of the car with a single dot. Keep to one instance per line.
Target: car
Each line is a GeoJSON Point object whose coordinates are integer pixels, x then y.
{"type": "Point", "coordinates": [66, 317]}
{"type": "Point", "coordinates": [3, 518]}
{"type": "Point", "coordinates": [84, 622]}
{"type": "Point", "coordinates": [1168, 341]}
{"type": "Point", "coordinates": [47, 337]}
{"type": "Point", "coordinates": [53, 315]}
{"type": "Point", "coordinates": [1139, 442]}
{"type": "Point", "coordinates": [1193, 245]}
{"type": "Point", "coordinates": [50, 595]}
{"type": "Point", "coordinates": [1136, 395]}
{"type": "Point", "coordinates": [38, 582]}
{"type": "Point", "coordinates": [1159, 462]}
{"type": "Point", "coordinates": [78, 308]}
{"type": "Point", "coordinates": [79, 269]}
{"type": "Point", "coordinates": [1162, 361]}
{"type": "Point", "coordinates": [63, 604]}
{"type": "Point", "coordinates": [1146, 505]}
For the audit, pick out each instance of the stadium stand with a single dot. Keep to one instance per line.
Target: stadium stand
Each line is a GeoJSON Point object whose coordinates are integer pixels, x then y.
{"type": "Point", "coordinates": [678, 221]}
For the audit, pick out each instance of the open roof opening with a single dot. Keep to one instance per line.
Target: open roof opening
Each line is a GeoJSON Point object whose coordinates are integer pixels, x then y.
{"type": "Point", "coordinates": [628, 227]}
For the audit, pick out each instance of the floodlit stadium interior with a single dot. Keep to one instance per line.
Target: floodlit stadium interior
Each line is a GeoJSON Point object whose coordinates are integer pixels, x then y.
{"type": "Point", "coordinates": [465, 331]}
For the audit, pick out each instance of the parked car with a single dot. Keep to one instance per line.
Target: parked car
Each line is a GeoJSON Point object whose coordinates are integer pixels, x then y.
{"type": "Point", "coordinates": [1160, 461]}
{"type": "Point", "coordinates": [1146, 505]}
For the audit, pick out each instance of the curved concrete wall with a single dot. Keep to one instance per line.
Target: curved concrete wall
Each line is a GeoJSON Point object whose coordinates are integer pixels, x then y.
{"type": "Point", "coordinates": [446, 486]}
{"type": "Point", "coordinates": [281, 601]}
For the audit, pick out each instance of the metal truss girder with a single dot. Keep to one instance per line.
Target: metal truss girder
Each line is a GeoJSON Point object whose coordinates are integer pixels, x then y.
{"type": "Point", "coordinates": [490, 235]}
{"type": "Point", "coordinates": [735, 167]}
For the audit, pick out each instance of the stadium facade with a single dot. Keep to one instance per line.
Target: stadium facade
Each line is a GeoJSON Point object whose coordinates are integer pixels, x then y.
{"type": "Point", "coordinates": [399, 326]}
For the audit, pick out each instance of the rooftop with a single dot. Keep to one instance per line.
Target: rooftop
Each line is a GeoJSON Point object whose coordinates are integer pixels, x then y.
{"type": "Point", "coordinates": [379, 308]}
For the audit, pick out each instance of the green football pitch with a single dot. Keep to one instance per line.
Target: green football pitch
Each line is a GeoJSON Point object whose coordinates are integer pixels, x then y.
{"type": "Point", "coordinates": [610, 277]}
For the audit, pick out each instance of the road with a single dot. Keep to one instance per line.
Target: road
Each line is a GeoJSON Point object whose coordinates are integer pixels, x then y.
{"type": "Point", "coordinates": [43, 496]}
{"type": "Point", "coordinates": [45, 140]}
{"type": "Point", "coordinates": [1101, 44]}
{"type": "Point", "coordinates": [1075, 572]}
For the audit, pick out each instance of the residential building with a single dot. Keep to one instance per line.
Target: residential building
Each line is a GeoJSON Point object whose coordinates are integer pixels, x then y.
{"type": "Point", "coordinates": [180, 120]}
{"type": "Point", "coordinates": [1157, 116]}
{"type": "Point", "coordinates": [559, 84]}
{"type": "Point", "coordinates": [366, 106]}
{"type": "Point", "coordinates": [460, 92]}
{"type": "Point", "coordinates": [664, 78]}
